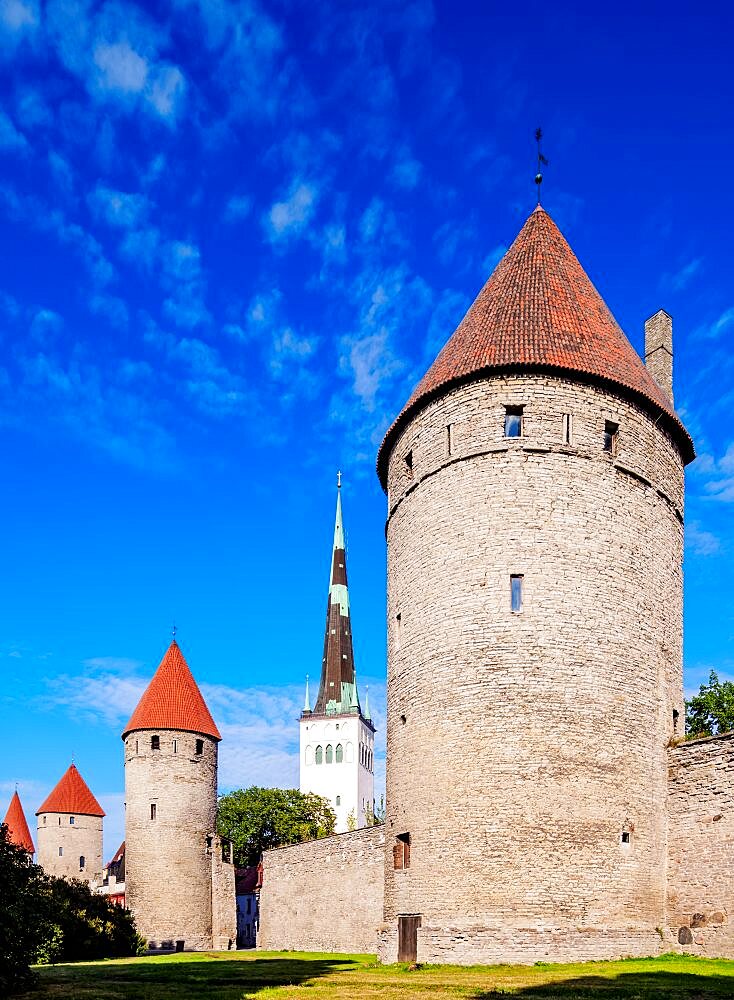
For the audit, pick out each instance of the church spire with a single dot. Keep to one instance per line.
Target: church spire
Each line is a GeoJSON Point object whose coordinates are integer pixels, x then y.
{"type": "Point", "coordinates": [338, 687]}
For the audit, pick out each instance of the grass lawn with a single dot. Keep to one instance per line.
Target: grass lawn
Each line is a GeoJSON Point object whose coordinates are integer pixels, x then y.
{"type": "Point", "coordinates": [278, 975]}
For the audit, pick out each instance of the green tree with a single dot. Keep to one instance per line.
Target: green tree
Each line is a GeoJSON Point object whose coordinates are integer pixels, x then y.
{"type": "Point", "coordinates": [87, 926]}
{"type": "Point", "coordinates": [255, 819]}
{"type": "Point", "coordinates": [711, 711]}
{"type": "Point", "coordinates": [24, 922]}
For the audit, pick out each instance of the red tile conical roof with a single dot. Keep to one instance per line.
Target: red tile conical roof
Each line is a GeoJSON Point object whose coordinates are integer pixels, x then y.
{"type": "Point", "coordinates": [539, 310]}
{"type": "Point", "coordinates": [18, 832]}
{"type": "Point", "coordinates": [173, 700]}
{"type": "Point", "coordinates": [71, 795]}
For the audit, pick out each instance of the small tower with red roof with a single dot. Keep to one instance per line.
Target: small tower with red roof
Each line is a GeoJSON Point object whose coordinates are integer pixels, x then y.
{"type": "Point", "coordinates": [179, 876]}
{"type": "Point", "coordinates": [69, 833]}
{"type": "Point", "coordinates": [17, 826]}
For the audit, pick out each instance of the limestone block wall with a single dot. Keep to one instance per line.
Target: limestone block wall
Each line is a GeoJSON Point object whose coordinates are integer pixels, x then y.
{"type": "Point", "coordinates": [324, 895]}
{"type": "Point", "coordinates": [526, 752]}
{"type": "Point", "coordinates": [701, 847]}
{"type": "Point", "coordinates": [63, 839]}
{"type": "Point", "coordinates": [170, 819]}
{"type": "Point", "coordinates": [224, 902]}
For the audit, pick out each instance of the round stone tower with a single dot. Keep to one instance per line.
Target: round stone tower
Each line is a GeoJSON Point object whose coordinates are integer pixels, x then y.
{"type": "Point", "coordinates": [172, 854]}
{"type": "Point", "coordinates": [69, 835]}
{"type": "Point", "coordinates": [535, 539]}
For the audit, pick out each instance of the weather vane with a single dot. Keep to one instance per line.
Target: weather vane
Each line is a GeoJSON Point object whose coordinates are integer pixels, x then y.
{"type": "Point", "coordinates": [174, 630]}
{"type": "Point", "coordinates": [542, 162]}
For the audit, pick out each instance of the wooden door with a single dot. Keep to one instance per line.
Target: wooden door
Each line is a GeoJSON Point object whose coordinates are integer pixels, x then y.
{"type": "Point", "coordinates": [408, 937]}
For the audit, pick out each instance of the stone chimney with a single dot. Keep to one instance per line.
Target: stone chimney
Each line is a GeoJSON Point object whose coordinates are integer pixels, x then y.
{"type": "Point", "coordinates": [659, 350]}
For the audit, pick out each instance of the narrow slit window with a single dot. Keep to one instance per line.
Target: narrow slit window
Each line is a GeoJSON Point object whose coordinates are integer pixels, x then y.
{"type": "Point", "coordinates": [199, 747]}
{"type": "Point", "coordinates": [155, 743]}
{"type": "Point", "coordinates": [676, 717]}
{"type": "Point", "coordinates": [449, 439]}
{"type": "Point", "coordinates": [153, 810]}
{"type": "Point", "coordinates": [567, 428]}
{"type": "Point", "coordinates": [611, 436]}
{"type": "Point", "coordinates": [409, 462]}
{"type": "Point", "coordinates": [61, 852]}
{"type": "Point", "coordinates": [625, 837]}
{"type": "Point", "coordinates": [175, 746]}
{"type": "Point", "coordinates": [516, 588]}
{"type": "Point", "coordinates": [71, 821]}
{"type": "Point", "coordinates": [514, 421]}
{"type": "Point", "coordinates": [338, 800]}
{"type": "Point", "coordinates": [82, 862]}
{"type": "Point", "coordinates": [398, 630]}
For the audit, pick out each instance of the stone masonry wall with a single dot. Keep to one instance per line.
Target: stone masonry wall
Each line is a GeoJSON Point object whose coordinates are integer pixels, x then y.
{"type": "Point", "coordinates": [224, 902]}
{"type": "Point", "coordinates": [521, 747]}
{"type": "Point", "coordinates": [168, 859]}
{"type": "Point", "coordinates": [324, 895]}
{"type": "Point", "coordinates": [701, 847]}
{"type": "Point", "coordinates": [82, 838]}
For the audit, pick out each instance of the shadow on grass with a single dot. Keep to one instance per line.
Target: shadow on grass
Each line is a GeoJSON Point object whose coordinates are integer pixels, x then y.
{"type": "Point", "coordinates": [166, 978]}
{"type": "Point", "coordinates": [653, 985]}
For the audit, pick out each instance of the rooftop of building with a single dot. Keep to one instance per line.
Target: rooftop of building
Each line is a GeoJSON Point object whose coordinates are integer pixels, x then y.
{"type": "Point", "coordinates": [173, 700]}
{"type": "Point", "coordinates": [18, 831]}
{"type": "Point", "coordinates": [539, 311]}
{"type": "Point", "coordinates": [71, 795]}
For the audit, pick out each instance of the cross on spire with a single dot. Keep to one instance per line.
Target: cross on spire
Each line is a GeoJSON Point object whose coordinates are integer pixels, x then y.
{"type": "Point", "coordinates": [338, 480]}
{"type": "Point", "coordinates": [542, 162]}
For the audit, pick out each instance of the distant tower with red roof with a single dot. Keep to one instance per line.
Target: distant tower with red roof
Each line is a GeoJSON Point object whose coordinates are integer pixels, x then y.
{"type": "Point", "coordinates": [18, 831]}
{"type": "Point", "coordinates": [69, 835]}
{"type": "Point", "coordinates": [179, 876]}
{"type": "Point", "coordinates": [534, 486]}
{"type": "Point", "coordinates": [337, 735]}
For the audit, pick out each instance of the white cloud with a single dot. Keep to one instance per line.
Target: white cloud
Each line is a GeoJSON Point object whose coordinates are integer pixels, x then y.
{"type": "Point", "coordinates": [289, 217]}
{"type": "Point", "coordinates": [120, 68]}
{"type": "Point", "coordinates": [683, 277]}
{"type": "Point", "coordinates": [118, 208]}
{"type": "Point", "coordinates": [238, 207]}
{"type": "Point", "coordinates": [700, 541]}
{"type": "Point", "coordinates": [167, 90]}
{"type": "Point", "coordinates": [19, 16]}
{"type": "Point", "coordinates": [371, 362]}
{"type": "Point", "coordinates": [10, 137]}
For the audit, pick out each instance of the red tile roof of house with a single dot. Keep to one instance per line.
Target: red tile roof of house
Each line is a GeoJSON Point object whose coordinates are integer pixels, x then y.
{"type": "Point", "coordinates": [173, 700]}
{"type": "Point", "coordinates": [71, 795]}
{"type": "Point", "coordinates": [539, 311]}
{"type": "Point", "coordinates": [18, 832]}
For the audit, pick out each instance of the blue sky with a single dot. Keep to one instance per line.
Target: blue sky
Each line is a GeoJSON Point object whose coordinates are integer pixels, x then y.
{"type": "Point", "coordinates": [233, 236]}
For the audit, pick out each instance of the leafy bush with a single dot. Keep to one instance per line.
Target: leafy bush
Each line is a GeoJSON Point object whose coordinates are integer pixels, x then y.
{"type": "Point", "coordinates": [44, 919]}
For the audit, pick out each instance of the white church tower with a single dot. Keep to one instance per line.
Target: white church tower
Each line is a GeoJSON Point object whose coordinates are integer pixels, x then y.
{"type": "Point", "coordinates": [337, 737]}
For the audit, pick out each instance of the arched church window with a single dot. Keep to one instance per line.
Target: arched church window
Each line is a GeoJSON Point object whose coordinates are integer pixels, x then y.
{"type": "Point", "coordinates": [319, 755]}
{"type": "Point", "coordinates": [309, 755]}
{"type": "Point", "coordinates": [349, 755]}
{"type": "Point", "coordinates": [339, 753]}
{"type": "Point", "coordinates": [329, 754]}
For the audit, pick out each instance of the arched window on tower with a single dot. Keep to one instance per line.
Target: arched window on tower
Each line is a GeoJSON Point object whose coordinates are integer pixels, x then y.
{"type": "Point", "coordinates": [349, 757]}
{"type": "Point", "coordinates": [329, 754]}
{"type": "Point", "coordinates": [319, 755]}
{"type": "Point", "coordinates": [309, 755]}
{"type": "Point", "coordinates": [339, 753]}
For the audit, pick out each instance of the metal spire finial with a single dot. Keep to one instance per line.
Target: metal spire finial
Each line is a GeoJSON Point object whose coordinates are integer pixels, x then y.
{"type": "Point", "coordinates": [174, 630]}
{"type": "Point", "coordinates": [307, 702]}
{"type": "Point", "coordinates": [541, 161]}
{"type": "Point", "coordinates": [338, 480]}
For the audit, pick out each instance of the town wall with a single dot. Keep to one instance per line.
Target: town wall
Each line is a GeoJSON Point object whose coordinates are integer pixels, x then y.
{"type": "Point", "coordinates": [324, 895]}
{"type": "Point", "coordinates": [168, 858]}
{"type": "Point", "coordinates": [526, 752]}
{"type": "Point", "coordinates": [701, 847]}
{"type": "Point", "coordinates": [80, 839]}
